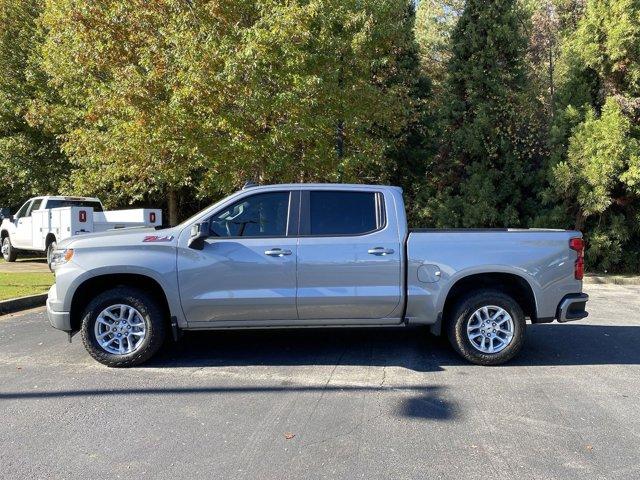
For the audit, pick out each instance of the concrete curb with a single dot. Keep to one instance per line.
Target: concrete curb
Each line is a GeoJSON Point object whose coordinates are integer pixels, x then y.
{"type": "Point", "coordinates": [22, 303]}
{"type": "Point", "coordinates": [611, 279]}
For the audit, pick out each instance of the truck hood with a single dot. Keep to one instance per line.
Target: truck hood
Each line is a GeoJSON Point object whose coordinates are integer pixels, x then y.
{"type": "Point", "coordinates": [122, 237]}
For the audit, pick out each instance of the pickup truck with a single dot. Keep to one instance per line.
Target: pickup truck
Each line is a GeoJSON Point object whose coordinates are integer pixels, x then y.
{"type": "Point", "coordinates": [313, 255]}
{"type": "Point", "coordinates": [44, 221]}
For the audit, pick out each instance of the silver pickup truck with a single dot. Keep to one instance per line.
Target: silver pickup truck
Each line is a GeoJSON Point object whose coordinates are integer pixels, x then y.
{"type": "Point", "coordinates": [311, 255]}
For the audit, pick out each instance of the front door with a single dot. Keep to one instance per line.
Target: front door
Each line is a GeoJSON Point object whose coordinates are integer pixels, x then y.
{"type": "Point", "coordinates": [348, 258]}
{"type": "Point", "coordinates": [246, 271]}
{"type": "Point", "coordinates": [24, 231]}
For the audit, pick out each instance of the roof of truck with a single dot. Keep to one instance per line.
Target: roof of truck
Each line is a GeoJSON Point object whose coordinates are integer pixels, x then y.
{"type": "Point", "coordinates": [321, 185]}
{"type": "Point", "coordinates": [63, 197]}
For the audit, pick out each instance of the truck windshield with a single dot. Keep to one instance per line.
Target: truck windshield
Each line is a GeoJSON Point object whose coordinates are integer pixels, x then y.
{"type": "Point", "coordinates": [97, 206]}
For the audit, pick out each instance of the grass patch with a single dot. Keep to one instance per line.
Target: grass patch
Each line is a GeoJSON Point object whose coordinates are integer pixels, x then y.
{"type": "Point", "coordinates": [13, 285]}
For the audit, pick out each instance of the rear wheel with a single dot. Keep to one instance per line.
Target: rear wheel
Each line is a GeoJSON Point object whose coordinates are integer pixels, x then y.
{"type": "Point", "coordinates": [8, 252]}
{"type": "Point", "coordinates": [50, 249]}
{"type": "Point", "coordinates": [487, 327]}
{"type": "Point", "coordinates": [123, 327]}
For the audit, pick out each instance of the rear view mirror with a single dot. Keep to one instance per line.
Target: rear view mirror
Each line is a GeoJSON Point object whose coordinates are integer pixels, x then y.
{"type": "Point", "coordinates": [199, 232]}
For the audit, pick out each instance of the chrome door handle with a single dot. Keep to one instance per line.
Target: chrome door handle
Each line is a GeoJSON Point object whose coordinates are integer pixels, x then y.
{"type": "Point", "coordinates": [277, 252]}
{"type": "Point", "coordinates": [380, 251]}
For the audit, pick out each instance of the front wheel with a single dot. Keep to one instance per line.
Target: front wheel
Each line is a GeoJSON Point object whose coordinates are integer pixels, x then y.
{"type": "Point", "coordinates": [8, 252]}
{"type": "Point", "coordinates": [487, 327]}
{"type": "Point", "coordinates": [123, 327]}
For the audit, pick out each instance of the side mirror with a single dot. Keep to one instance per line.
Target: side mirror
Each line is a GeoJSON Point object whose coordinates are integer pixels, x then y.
{"type": "Point", "coordinates": [199, 232]}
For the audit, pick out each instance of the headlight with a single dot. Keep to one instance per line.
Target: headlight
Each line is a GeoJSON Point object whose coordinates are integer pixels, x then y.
{"type": "Point", "coordinates": [60, 257]}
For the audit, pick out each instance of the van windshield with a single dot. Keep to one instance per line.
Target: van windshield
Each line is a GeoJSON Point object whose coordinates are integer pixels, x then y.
{"type": "Point", "coordinates": [97, 206]}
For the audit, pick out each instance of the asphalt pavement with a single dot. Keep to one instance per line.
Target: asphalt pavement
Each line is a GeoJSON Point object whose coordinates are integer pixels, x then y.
{"type": "Point", "coordinates": [358, 403]}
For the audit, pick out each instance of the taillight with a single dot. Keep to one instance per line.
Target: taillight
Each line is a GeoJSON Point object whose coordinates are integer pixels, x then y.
{"type": "Point", "coordinates": [82, 216]}
{"type": "Point", "coordinates": [577, 244]}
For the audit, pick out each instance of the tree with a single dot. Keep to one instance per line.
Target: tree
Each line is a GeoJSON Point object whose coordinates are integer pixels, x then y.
{"type": "Point", "coordinates": [597, 172]}
{"type": "Point", "coordinates": [30, 160]}
{"type": "Point", "coordinates": [170, 95]}
{"type": "Point", "coordinates": [435, 22]}
{"type": "Point", "coordinates": [490, 155]}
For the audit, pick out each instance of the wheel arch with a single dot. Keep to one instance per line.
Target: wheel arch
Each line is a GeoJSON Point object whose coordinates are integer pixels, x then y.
{"type": "Point", "coordinates": [89, 288]}
{"type": "Point", "coordinates": [510, 283]}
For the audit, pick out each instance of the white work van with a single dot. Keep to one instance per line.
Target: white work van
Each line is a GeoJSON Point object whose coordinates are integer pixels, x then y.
{"type": "Point", "coordinates": [43, 221]}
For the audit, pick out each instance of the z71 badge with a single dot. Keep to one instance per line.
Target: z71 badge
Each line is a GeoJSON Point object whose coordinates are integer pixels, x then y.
{"type": "Point", "coordinates": [158, 238]}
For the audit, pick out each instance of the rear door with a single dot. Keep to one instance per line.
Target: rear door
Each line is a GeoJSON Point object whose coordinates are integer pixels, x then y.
{"type": "Point", "coordinates": [348, 257]}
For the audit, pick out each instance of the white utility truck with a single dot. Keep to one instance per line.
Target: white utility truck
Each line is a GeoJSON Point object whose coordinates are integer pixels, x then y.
{"type": "Point", "coordinates": [43, 221]}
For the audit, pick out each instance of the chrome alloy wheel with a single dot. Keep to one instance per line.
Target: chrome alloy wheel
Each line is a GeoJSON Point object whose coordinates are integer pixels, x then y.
{"type": "Point", "coordinates": [490, 329]}
{"type": "Point", "coordinates": [5, 248]}
{"type": "Point", "coordinates": [120, 329]}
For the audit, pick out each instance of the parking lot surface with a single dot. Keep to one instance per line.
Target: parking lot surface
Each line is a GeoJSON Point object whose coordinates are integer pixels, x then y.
{"type": "Point", "coordinates": [358, 403]}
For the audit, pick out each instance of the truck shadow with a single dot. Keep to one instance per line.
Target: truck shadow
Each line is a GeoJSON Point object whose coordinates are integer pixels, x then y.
{"type": "Point", "coordinates": [415, 348]}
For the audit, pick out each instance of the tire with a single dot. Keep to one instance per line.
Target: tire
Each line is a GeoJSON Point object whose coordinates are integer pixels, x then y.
{"type": "Point", "coordinates": [50, 249]}
{"type": "Point", "coordinates": [148, 313]}
{"type": "Point", "coordinates": [491, 345]}
{"type": "Point", "coordinates": [9, 253]}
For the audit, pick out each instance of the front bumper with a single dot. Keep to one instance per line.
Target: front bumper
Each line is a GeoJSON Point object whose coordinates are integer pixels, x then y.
{"type": "Point", "coordinates": [572, 307]}
{"type": "Point", "coordinates": [59, 320]}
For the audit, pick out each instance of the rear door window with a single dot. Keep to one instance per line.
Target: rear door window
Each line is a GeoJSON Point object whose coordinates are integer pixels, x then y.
{"type": "Point", "coordinates": [97, 206]}
{"type": "Point", "coordinates": [334, 212]}
{"type": "Point", "coordinates": [34, 206]}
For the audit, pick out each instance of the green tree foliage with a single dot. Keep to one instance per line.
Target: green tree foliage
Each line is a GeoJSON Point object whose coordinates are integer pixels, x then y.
{"type": "Point", "coordinates": [597, 173]}
{"type": "Point", "coordinates": [487, 164]}
{"type": "Point", "coordinates": [30, 161]}
{"type": "Point", "coordinates": [487, 113]}
{"type": "Point", "coordinates": [435, 21]}
{"type": "Point", "coordinates": [160, 96]}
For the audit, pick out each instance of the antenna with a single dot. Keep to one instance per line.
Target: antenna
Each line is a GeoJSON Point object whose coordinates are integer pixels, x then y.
{"type": "Point", "coordinates": [249, 184]}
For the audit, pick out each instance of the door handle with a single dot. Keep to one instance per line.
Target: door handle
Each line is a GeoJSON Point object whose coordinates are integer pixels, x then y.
{"type": "Point", "coordinates": [380, 251]}
{"type": "Point", "coordinates": [277, 252]}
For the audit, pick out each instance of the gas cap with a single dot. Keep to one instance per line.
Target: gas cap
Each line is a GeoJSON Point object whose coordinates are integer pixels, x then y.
{"type": "Point", "coordinates": [429, 273]}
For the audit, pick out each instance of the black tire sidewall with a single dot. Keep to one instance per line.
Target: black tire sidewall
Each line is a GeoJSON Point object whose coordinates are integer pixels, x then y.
{"type": "Point", "coordinates": [50, 249]}
{"type": "Point", "coordinates": [152, 315]}
{"type": "Point", "coordinates": [11, 253]}
{"type": "Point", "coordinates": [458, 327]}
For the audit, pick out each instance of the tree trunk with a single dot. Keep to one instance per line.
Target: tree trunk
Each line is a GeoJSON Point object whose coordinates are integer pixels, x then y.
{"type": "Point", "coordinates": [173, 207]}
{"type": "Point", "coordinates": [580, 220]}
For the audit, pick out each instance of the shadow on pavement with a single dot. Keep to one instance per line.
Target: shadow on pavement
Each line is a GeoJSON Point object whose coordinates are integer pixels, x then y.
{"type": "Point", "coordinates": [580, 344]}
{"type": "Point", "coordinates": [414, 348]}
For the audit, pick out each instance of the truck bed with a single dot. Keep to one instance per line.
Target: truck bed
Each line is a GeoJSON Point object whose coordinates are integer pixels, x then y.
{"type": "Point", "coordinates": [437, 258]}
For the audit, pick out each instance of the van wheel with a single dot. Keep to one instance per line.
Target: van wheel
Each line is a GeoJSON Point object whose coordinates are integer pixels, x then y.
{"type": "Point", "coordinates": [487, 327]}
{"type": "Point", "coordinates": [8, 252]}
{"type": "Point", "coordinates": [50, 249]}
{"type": "Point", "coordinates": [123, 327]}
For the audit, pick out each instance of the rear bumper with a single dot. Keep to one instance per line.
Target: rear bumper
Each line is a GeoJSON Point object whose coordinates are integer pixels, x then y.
{"type": "Point", "coordinates": [572, 307]}
{"type": "Point", "coordinates": [59, 320]}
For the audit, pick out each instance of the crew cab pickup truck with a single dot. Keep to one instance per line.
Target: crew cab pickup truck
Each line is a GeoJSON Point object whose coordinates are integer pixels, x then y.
{"type": "Point", "coordinates": [43, 221]}
{"type": "Point", "coordinates": [310, 255]}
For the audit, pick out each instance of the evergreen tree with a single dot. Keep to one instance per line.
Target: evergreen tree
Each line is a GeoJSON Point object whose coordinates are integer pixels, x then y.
{"type": "Point", "coordinates": [489, 161]}
{"type": "Point", "coordinates": [596, 173]}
